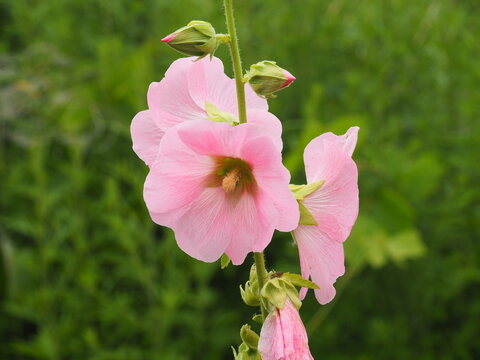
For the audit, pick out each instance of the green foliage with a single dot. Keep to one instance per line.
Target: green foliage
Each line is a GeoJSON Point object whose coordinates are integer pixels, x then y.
{"type": "Point", "coordinates": [91, 277]}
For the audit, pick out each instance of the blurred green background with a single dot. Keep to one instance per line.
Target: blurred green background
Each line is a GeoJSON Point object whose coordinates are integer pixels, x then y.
{"type": "Point", "coordinates": [85, 274]}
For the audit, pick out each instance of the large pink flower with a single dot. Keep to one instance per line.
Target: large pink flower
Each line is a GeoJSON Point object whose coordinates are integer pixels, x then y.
{"type": "Point", "coordinates": [188, 88]}
{"type": "Point", "coordinates": [194, 90]}
{"type": "Point", "coordinates": [283, 336]}
{"type": "Point", "coordinates": [221, 188]}
{"type": "Point", "coordinates": [334, 207]}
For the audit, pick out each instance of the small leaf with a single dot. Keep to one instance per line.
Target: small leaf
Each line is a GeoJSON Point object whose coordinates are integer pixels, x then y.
{"type": "Point", "coordinates": [298, 280]}
{"type": "Point", "coordinates": [224, 261]}
{"type": "Point", "coordinates": [306, 217]}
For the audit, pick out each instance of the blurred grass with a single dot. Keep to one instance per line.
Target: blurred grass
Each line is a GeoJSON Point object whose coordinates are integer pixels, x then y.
{"type": "Point", "coordinates": [89, 274]}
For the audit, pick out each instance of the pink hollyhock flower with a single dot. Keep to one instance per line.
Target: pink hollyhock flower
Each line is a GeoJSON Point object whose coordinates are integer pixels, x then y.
{"type": "Point", "coordinates": [334, 207]}
{"type": "Point", "coordinates": [283, 336]}
{"type": "Point", "coordinates": [190, 87]}
{"type": "Point", "coordinates": [194, 90]}
{"type": "Point", "coordinates": [221, 188]}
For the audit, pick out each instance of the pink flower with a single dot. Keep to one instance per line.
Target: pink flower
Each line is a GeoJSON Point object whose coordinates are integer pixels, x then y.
{"type": "Point", "coordinates": [189, 86]}
{"type": "Point", "coordinates": [194, 90]}
{"type": "Point", "coordinates": [334, 207]}
{"type": "Point", "coordinates": [283, 336]}
{"type": "Point", "coordinates": [221, 188]}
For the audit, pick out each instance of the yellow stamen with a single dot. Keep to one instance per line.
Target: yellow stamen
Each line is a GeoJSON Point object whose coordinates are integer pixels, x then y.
{"type": "Point", "coordinates": [230, 181]}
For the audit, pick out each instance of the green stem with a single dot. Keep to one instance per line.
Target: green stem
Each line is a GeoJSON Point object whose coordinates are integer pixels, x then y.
{"type": "Point", "coordinates": [236, 61]}
{"type": "Point", "coordinates": [261, 276]}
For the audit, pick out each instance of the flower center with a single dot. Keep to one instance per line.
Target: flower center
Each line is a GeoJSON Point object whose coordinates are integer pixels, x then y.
{"type": "Point", "coordinates": [233, 175]}
{"type": "Point", "coordinates": [230, 181]}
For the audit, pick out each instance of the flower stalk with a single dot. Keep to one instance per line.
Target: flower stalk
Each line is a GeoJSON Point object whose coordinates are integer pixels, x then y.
{"type": "Point", "coordinates": [236, 61]}
{"type": "Point", "coordinates": [261, 276]}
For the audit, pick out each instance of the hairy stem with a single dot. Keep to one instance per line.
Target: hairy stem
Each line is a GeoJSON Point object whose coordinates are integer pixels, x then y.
{"type": "Point", "coordinates": [261, 275]}
{"type": "Point", "coordinates": [236, 61]}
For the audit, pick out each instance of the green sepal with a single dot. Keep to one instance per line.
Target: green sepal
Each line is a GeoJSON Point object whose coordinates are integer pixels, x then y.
{"type": "Point", "coordinates": [258, 318]}
{"type": "Point", "coordinates": [273, 295]}
{"type": "Point", "coordinates": [298, 280]}
{"type": "Point", "coordinates": [216, 115]}
{"type": "Point", "coordinates": [302, 191]}
{"type": "Point", "coordinates": [306, 217]}
{"type": "Point", "coordinates": [250, 294]}
{"type": "Point", "coordinates": [224, 261]}
{"type": "Point", "coordinates": [249, 337]}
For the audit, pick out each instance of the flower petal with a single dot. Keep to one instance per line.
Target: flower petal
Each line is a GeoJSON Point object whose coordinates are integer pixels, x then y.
{"type": "Point", "coordinates": [177, 177]}
{"type": "Point", "coordinates": [146, 136]}
{"type": "Point", "coordinates": [321, 258]}
{"type": "Point", "coordinates": [214, 224]}
{"type": "Point", "coordinates": [208, 82]}
{"type": "Point", "coordinates": [269, 123]}
{"type": "Point", "coordinates": [338, 196]}
{"type": "Point", "coordinates": [316, 151]}
{"type": "Point", "coordinates": [170, 100]}
{"type": "Point", "coordinates": [283, 336]}
{"type": "Point", "coordinates": [273, 178]}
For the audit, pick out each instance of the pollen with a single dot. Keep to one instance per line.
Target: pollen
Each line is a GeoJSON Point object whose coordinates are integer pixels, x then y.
{"type": "Point", "coordinates": [230, 181]}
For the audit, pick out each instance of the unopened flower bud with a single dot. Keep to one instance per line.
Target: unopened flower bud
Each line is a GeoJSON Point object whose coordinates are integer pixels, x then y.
{"type": "Point", "coordinates": [198, 38]}
{"type": "Point", "coordinates": [249, 337]}
{"type": "Point", "coordinates": [266, 77]}
{"type": "Point", "coordinates": [250, 295]}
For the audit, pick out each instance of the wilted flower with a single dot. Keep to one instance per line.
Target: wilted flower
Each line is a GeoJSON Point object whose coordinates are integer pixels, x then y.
{"type": "Point", "coordinates": [283, 335]}
{"type": "Point", "coordinates": [332, 205]}
{"type": "Point", "coordinates": [221, 188]}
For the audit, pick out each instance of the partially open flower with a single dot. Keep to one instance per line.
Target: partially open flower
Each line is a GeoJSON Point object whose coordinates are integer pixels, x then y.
{"type": "Point", "coordinates": [198, 38]}
{"type": "Point", "coordinates": [266, 77]}
{"type": "Point", "coordinates": [283, 335]}
{"type": "Point", "coordinates": [221, 188]}
{"type": "Point", "coordinates": [330, 208]}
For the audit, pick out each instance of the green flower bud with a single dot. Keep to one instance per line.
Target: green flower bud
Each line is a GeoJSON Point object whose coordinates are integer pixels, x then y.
{"type": "Point", "coordinates": [249, 337]}
{"type": "Point", "coordinates": [266, 77]}
{"type": "Point", "coordinates": [198, 38]}
{"type": "Point", "coordinates": [275, 293]}
{"type": "Point", "coordinates": [250, 294]}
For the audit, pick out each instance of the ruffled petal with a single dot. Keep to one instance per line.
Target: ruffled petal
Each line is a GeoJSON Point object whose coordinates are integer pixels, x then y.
{"type": "Point", "coordinates": [215, 223]}
{"type": "Point", "coordinates": [169, 100]}
{"type": "Point", "coordinates": [270, 125]}
{"type": "Point", "coordinates": [146, 136]}
{"type": "Point", "coordinates": [316, 151]}
{"type": "Point", "coordinates": [177, 177]}
{"type": "Point", "coordinates": [283, 336]}
{"type": "Point", "coordinates": [338, 197]}
{"type": "Point", "coordinates": [321, 258]}
{"type": "Point", "coordinates": [273, 178]}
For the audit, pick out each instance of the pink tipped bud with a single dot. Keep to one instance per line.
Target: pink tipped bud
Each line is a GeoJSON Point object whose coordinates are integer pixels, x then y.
{"type": "Point", "coordinates": [266, 77]}
{"type": "Point", "coordinates": [198, 38]}
{"type": "Point", "coordinates": [290, 78]}
{"type": "Point", "coordinates": [166, 39]}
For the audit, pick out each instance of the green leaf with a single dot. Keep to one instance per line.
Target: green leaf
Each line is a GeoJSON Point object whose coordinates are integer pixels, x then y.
{"type": "Point", "coordinates": [298, 280]}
